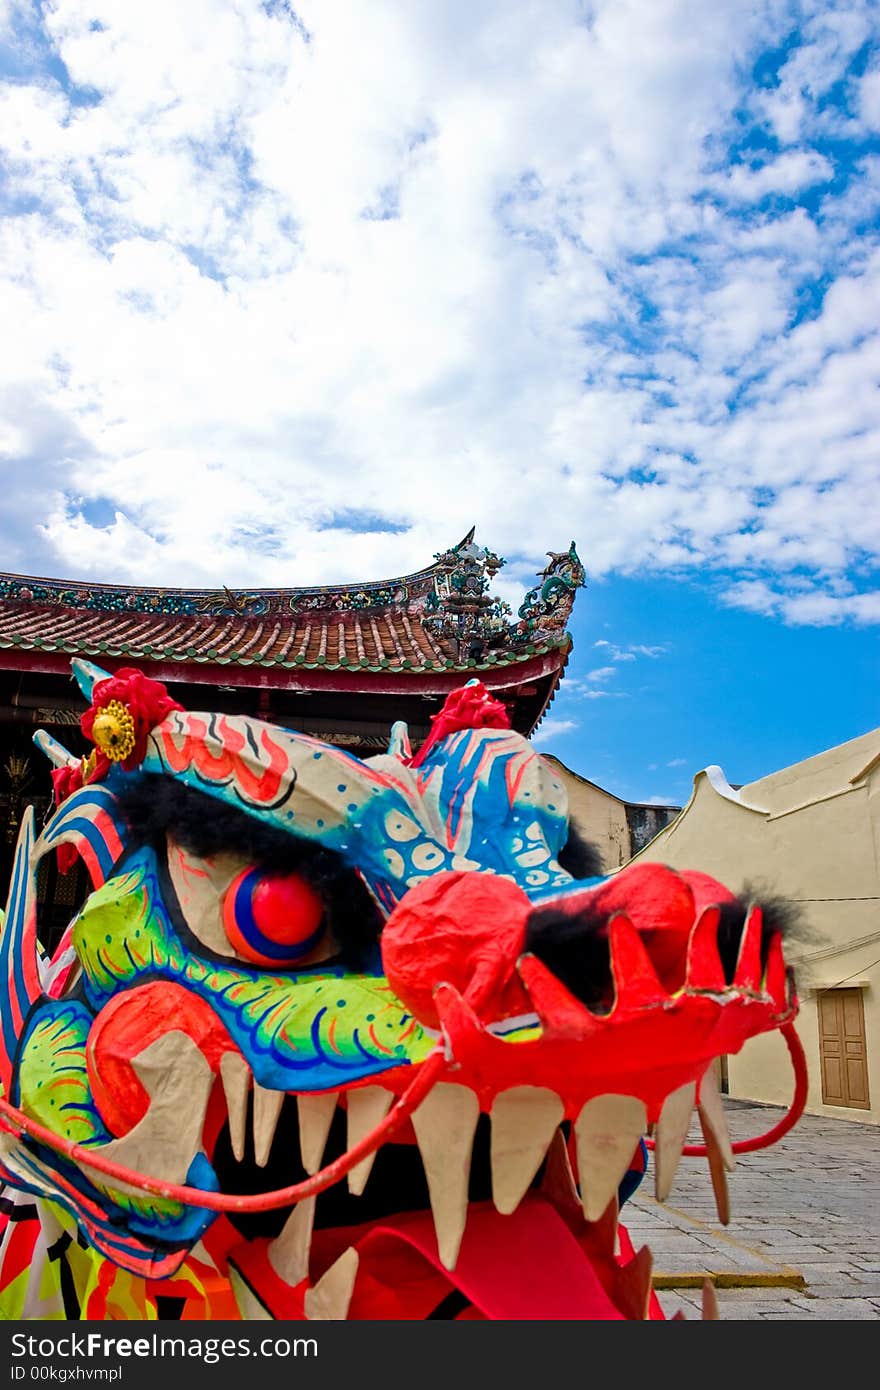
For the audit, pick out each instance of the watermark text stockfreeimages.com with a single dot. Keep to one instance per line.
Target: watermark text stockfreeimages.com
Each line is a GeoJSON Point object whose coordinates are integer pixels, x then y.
{"type": "Point", "coordinates": [77, 1346]}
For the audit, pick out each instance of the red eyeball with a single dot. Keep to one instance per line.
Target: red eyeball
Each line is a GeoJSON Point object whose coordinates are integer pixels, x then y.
{"type": "Point", "coordinates": [272, 919]}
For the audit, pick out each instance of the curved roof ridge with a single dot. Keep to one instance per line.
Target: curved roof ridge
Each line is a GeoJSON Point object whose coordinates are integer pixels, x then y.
{"type": "Point", "coordinates": [223, 593]}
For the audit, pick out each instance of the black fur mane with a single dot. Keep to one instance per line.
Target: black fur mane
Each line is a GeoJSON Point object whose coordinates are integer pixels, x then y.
{"type": "Point", "coordinates": [574, 945]}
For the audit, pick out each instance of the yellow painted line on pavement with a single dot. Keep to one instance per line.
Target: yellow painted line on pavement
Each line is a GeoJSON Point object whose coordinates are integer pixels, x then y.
{"type": "Point", "coordinates": [772, 1276]}
{"type": "Point", "coordinates": [731, 1279]}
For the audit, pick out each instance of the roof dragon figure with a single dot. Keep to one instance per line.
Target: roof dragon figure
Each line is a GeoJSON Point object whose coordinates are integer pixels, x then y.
{"type": "Point", "coordinates": [338, 1038]}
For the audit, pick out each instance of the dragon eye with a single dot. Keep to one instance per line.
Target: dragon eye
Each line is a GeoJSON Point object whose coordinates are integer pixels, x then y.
{"type": "Point", "coordinates": [272, 919]}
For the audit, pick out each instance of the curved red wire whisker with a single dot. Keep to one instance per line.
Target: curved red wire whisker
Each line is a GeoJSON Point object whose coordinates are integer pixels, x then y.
{"type": "Point", "coordinates": [14, 1121]}
{"type": "Point", "coordinates": [788, 1121]}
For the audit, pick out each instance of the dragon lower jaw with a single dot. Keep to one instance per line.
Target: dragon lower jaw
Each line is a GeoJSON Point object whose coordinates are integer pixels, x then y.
{"type": "Point", "coordinates": [532, 1264]}
{"type": "Point", "coordinates": [542, 1262]}
{"type": "Point", "coordinates": [525, 1193]}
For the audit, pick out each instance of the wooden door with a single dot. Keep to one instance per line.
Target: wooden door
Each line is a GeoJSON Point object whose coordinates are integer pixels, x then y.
{"type": "Point", "coordinates": [843, 1052]}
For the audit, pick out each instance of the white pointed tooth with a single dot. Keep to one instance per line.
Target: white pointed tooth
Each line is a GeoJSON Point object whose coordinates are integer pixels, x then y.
{"type": "Point", "coordinates": [636, 1281]}
{"type": "Point", "coordinates": [444, 1124]}
{"type": "Point", "coordinates": [267, 1108]}
{"type": "Point", "coordinates": [289, 1252]}
{"type": "Point", "coordinates": [315, 1118]}
{"type": "Point", "coordinates": [607, 1131]}
{"type": "Point", "coordinates": [178, 1080]}
{"type": "Point", "coordinates": [672, 1128]}
{"type": "Point", "coordinates": [558, 1185]}
{"type": "Point", "coordinates": [524, 1120]}
{"type": "Point", "coordinates": [236, 1077]}
{"type": "Point", "coordinates": [712, 1117]}
{"type": "Point", "coordinates": [558, 1182]}
{"type": "Point", "coordinates": [710, 1302]}
{"type": "Point", "coordinates": [328, 1301]}
{"type": "Point", "coordinates": [249, 1306]}
{"type": "Point", "coordinates": [717, 1167]}
{"type": "Point", "coordinates": [719, 1182]}
{"type": "Point", "coordinates": [367, 1107]}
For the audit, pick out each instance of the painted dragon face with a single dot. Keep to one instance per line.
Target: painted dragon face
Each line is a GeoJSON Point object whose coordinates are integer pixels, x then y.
{"type": "Point", "coordinates": [337, 1038]}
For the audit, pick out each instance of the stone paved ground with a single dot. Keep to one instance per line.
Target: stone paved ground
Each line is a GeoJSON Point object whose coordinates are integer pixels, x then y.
{"type": "Point", "coordinates": [804, 1212]}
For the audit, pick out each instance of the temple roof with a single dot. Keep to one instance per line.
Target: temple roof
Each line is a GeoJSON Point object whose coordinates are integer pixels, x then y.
{"type": "Point", "coordinates": [442, 618]}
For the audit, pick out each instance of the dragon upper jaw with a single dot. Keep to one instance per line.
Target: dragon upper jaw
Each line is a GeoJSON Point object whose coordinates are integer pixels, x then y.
{"type": "Point", "coordinates": [525, 1134]}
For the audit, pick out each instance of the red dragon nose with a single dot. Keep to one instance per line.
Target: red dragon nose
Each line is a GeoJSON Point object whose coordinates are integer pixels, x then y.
{"type": "Point", "coordinates": [462, 929]}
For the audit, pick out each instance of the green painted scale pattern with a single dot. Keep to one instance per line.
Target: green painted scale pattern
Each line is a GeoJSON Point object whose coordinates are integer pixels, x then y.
{"type": "Point", "coordinates": [54, 1090]}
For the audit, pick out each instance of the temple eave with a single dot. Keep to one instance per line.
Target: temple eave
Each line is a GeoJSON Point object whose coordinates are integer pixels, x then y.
{"type": "Point", "coordinates": [514, 669]}
{"type": "Point", "coordinates": [395, 647]}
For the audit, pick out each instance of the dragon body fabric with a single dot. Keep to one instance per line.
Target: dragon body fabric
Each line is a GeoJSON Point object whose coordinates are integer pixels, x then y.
{"type": "Point", "coordinates": [338, 1038]}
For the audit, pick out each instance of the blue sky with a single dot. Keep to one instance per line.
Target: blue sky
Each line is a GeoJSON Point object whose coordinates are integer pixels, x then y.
{"type": "Point", "coordinates": [692, 685]}
{"type": "Point", "coordinates": [300, 293]}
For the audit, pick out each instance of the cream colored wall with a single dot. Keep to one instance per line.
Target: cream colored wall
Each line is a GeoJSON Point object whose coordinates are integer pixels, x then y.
{"type": "Point", "coordinates": [810, 833]}
{"type": "Point", "coordinates": [600, 817]}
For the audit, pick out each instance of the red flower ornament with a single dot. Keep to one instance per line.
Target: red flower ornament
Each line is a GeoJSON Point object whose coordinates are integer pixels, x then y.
{"type": "Point", "coordinates": [124, 709]}
{"type": "Point", "coordinates": [471, 707]}
{"type": "Point", "coordinates": [66, 781]}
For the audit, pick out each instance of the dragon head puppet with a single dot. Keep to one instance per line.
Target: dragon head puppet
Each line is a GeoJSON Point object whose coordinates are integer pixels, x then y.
{"type": "Point", "coordinates": [337, 1038]}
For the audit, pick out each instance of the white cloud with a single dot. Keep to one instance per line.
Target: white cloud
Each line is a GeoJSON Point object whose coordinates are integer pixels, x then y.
{"type": "Point", "coordinates": [810, 609]}
{"type": "Point", "coordinates": [829, 40]}
{"type": "Point", "coordinates": [869, 98]}
{"type": "Point", "coordinates": [790, 173]}
{"type": "Point", "coordinates": [492, 266]}
{"type": "Point", "coordinates": [553, 728]}
{"type": "Point", "coordinates": [578, 688]}
{"type": "Point", "coordinates": [629, 653]}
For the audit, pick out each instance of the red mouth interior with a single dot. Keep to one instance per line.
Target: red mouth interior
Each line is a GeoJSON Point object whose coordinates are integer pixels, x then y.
{"type": "Point", "coordinates": [530, 1264]}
